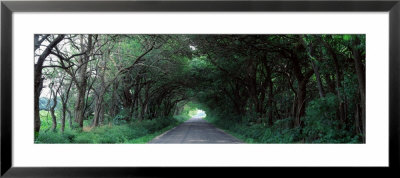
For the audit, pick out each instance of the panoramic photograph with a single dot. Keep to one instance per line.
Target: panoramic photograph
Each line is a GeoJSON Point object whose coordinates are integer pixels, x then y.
{"type": "Point", "coordinates": [199, 88]}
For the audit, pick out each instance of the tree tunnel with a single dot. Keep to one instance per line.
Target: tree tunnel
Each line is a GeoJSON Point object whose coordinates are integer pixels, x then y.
{"type": "Point", "coordinates": [309, 88]}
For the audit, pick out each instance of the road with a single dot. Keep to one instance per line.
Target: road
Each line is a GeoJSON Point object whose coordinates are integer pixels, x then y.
{"type": "Point", "coordinates": [195, 130]}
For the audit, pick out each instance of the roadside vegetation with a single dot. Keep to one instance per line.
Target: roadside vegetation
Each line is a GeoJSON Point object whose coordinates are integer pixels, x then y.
{"type": "Point", "coordinates": [114, 132]}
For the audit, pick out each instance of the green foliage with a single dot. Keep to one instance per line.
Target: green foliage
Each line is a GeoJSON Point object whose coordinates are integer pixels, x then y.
{"type": "Point", "coordinates": [56, 137]}
{"type": "Point", "coordinates": [182, 118]}
{"type": "Point", "coordinates": [124, 133]}
{"type": "Point", "coordinates": [46, 120]}
{"type": "Point", "coordinates": [256, 133]}
{"type": "Point", "coordinates": [121, 117]}
{"type": "Point", "coordinates": [149, 137]}
{"type": "Point", "coordinates": [52, 137]}
{"type": "Point", "coordinates": [346, 37]}
{"type": "Point", "coordinates": [155, 124]}
{"type": "Point", "coordinates": [111, 134]}
{"type": "Point", "coordinates": [321, 125]}
{"type": "Point", "coordinates": [85, 138]}
{"type": "Point", "coordinates": [320, 122]}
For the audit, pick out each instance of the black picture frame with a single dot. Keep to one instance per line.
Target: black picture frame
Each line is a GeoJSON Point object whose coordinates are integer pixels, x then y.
{"type": "Point", "coordinates": [8, 7]}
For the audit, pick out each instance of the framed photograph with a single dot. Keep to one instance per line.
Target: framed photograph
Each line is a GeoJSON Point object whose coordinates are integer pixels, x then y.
{"type": "Point", "coordinates": [140, 88]}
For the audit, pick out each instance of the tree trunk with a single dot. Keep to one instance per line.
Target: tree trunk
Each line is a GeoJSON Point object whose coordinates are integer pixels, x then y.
{"type": "Point", "coordinates": [82, 78]}
{"type": "Point", "coordinates": [140, 108]}
{"type": "Point", "coordinates": [302, 80]}
{"type": "Point", "coordinates": [98, 108]}
{"type": "Point", "coordinates": [270, 96]}
{"type": "Point", "coordinates": [329, 83]}
{"type": "Point", "coordinates": [70, 117]}
{"type": "Point", "coordinates": [315, 67]}
{"type": "Point", "coordinates": [38, 80]}
{"type": "Point", "coordinates": [361, 79]}
{"type": "Point", "coordinates": [38, 89]}
{"type": "Point", "coordinates": [52, 109]}
{"type": "Point", "coordinates": [64, 101]}
{"type": "Point", "coordinates": [252, 87]}
{"type": "Point", "coordinates": [146, 100]}
{"type": "Point", "coordinates": [114, 103]}
{"type": "Point", "coordinates": [99, 97]}
{"type": "Point", "coordinates": [80, 106]}
{"type": "Point", "coordinates": [339, 79]}
{"type": "Point", "coordinates": [64, 108]}
{"type": "Point", "coordinates": [357, 120]}
{"type": "Point", "coordinates": [319, 82]}
{"type": "Point", "coordinates": [301, 99]}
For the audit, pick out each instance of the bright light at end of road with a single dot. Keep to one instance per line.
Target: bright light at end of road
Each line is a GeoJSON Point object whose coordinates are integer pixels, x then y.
{"type": "Point", "coordinates": [200, 114]}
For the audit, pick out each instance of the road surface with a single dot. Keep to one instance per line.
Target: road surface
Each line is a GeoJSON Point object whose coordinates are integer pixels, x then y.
{"type": "Point", "coordinates": [195, 130]}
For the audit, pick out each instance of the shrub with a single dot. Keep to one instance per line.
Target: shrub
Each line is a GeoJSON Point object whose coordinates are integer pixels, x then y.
{"type": "Point", "coordinates": [121, 117]}
{"type": "Point", "coordinates": [120, 133]}
{"type": "Point", "coordinates": [85, 137]}
{"type": "Point", "coordinates": [181, 118]}
{"type": "Point", "coordinates": [320, 124]}
{"type": "Point", "coordinates": [112, 134]}
{"type": "Point", "coordinates": [70, 135]}
{"type": "Point", "coordinates": [156, 124]}
{"type": "Point", "coordinates": [52, 137]}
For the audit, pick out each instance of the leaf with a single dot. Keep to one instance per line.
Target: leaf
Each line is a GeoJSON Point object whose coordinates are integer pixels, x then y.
{"type": "Point", "coordinates": [347, 37]}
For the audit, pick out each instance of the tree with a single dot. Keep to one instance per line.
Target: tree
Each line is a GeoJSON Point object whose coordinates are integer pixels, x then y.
{"type": "Point", "coordinates": [38, 80]}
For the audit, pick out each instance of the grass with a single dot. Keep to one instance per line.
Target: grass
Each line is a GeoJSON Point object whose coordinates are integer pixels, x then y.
{"type": "Point", "coordinates": [180, 118]}
{"type": "Point", "coordinates": [134, 132]}
{"type": "Point", "coordinates": [149, 137]}
{"type": "Point", "coordinates": [252, 133]}
{"type": "Point", "coordinates": [240, 137]}
{"type": "Point", "coordinates": [46, 121]}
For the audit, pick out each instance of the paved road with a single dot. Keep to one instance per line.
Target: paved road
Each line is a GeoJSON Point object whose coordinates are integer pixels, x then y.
{"type": "Point", "coordinates": [195, 130]}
